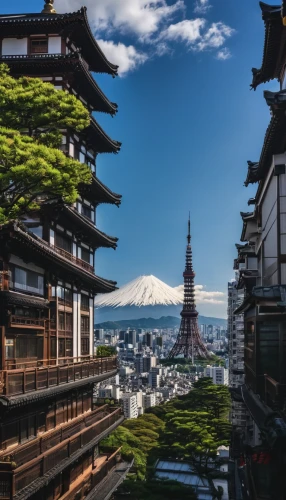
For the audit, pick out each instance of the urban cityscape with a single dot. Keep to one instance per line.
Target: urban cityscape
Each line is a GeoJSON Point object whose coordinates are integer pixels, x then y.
{"type": "Point", "coordinates": [132, 385]}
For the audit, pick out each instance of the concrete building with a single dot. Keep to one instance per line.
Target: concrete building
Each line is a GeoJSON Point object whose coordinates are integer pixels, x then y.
{"type": "Point", "coordinates": [130, 407]}
{"type": "Point", "coordinates": [218, 374]}
{"type": "Point", "coordinates": [149, 400]}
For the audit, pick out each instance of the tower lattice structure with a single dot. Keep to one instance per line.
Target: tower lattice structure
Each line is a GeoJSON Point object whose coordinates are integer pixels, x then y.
{"type": "Point", "coordinates": [189, 342]}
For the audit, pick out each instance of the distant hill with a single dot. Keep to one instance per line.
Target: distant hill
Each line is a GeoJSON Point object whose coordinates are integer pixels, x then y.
{"type": "Point", "coordinates": [152, 323]}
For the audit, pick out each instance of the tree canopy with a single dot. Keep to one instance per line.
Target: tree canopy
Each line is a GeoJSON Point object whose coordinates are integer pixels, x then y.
{"type": "Point", "coordinates": [104, 351]}
{"type": "Point", "coordinates": [33, 117]}
{"type": "Point", "coordinates": [155, 490]}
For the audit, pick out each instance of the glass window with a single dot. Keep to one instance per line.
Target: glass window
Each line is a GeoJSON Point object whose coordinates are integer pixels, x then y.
{"type": "Point", "coordinates": [86, 211]}
{"type": "Point", "coordinates": [85, 255]}
{"type": "Point", "coordinates": [9, 348]}
{"type": "Point", "coordinates": [85, 324]}
{"type": "Point", "coordinates": [63, 242]}
{"type": "Point", "coordinates": [85, 346]}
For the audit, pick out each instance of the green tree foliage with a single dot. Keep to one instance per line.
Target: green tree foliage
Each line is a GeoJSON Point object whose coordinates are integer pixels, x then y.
{"type": "Point", "coordinates": [155, 490]}
{"type": "Point", "coordinates": [131, 448]}
{"type": "Point", "coordinates": [105, 351]}
{"type": "Point", "coordinates": [36, 108]}
{"type": "Point", "coordinates": [33, 117]}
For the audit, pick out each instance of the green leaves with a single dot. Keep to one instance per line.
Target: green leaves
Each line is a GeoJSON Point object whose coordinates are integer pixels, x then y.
{"type": "Point", "coordinates": [32, 119]}
{"type": "Point", "coordinates": [38, 109]}
{"type": "Point", "coordinates": [30, 171]}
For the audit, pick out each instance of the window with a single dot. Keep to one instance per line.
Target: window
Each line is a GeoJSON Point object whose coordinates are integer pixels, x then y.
{"type": "Point", "coordinates": [9, 348]}
{"type": "Point", "coordinates": [39, 46]}
{"type": "Point", "coordinates": [61, 321]}
{"type": "Point", "coordinates": [62, 242]}
{"type": "Point", "coordinates": [84, 305]}
{"type": "Point", "coordinates": [85, 346]}
{"type": "Point", "coordinates": [85, 324]}
{"type": "Point", "coordinates": [28, 281]}
{"type": "Point", "coordinates": [69, 322]}
{"type": "Point", "coordinates": [87, 211]}
{"type": "Point", "coordinates": [85, 255]}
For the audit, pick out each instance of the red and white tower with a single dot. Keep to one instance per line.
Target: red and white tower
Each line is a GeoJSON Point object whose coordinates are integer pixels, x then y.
{"type": "Point", "coordinates": [189, 342]}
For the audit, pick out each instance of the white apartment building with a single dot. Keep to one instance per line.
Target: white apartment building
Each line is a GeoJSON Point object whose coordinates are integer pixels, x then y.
{"type": "Point", "coordinates": [218, 374]}
{"type": "Point", "coordinates": [130, 407]}
{"type": "Point", "coordinates": [149, 400]}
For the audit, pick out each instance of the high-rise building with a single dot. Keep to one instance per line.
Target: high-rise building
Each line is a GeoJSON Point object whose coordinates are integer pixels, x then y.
{"type": "Point", "coordinates": [130, 406]}
{"type": "Point", "coordinates": [262, 277]}
{"type": "Point", "coordinates": [218, 374]}
{"type": "Point", "coordinates": [50, 428]}
{"type": "Point", "coordinates": [149, 400]}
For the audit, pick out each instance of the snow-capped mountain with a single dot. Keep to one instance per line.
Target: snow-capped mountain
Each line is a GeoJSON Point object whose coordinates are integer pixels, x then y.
{"type": "Point", "coordinates": [141, 292]}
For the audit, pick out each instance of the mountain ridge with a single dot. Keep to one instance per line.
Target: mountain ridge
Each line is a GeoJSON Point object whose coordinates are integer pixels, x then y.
{"type": "Point", "coordinates": [152, 323]}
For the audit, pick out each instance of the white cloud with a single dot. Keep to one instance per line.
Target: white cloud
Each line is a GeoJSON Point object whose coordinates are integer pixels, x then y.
{"type": "Point", "coordinates": [142, 17]}
{"type": "Point", "coordinates": [202, 6]}
{"type": "Point", "coordinates": [197, 35]}
{"type": "Point", "coordinates": [203, 296]}
{"type": "Point", "coordinates": [223, 54]}
{"type": "Point", "coordinates": [188, 31]}
{"type": "Point", "coordinates": [150, 27]}
{"type": "Point", "coordinates": [126, 57]}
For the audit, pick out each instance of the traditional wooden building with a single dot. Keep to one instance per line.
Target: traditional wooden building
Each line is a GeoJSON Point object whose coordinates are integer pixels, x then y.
{"type": "Point", "coordinates": [50, 428]}
{"type": "Point", "coordinates": [263, 281]}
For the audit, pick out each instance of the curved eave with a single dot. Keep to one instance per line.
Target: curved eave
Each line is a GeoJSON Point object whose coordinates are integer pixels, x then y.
{"type": "Point", "coordinates": [251, 177]}
{"type": "Point", "coordinates": [20, 239]}
{"type": "Point", "coordinates": [274, 141]}
{"type": "Point", "coordinates": [97, 192]}
{"type": "Point", "coordinates": [98, 140]}
{"type": "Point", "coordinates": [96, 237]}
{"type": "Point", "coordinates": [75, 25]}
{"type": "Point", "coordinates": [273, 41]}
{"type": "Point", "coordinates": [110, 68]}
{"type": "Point", "coordinates": [73, 65]}
{"type": "Point", "coordinates": [248, 218]}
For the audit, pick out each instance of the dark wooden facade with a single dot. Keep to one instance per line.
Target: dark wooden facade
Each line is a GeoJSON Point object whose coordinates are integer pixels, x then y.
{"type": "Point", "coordinates": [261, 265]}
{"type": "Point", "coordinates": [50, 427]}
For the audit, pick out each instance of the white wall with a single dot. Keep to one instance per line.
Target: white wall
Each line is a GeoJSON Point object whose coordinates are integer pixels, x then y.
{"type": "Point", "coordinates": [15, 46]}
{"type": "Point", "coordinates": [75, 325]}
{"type": "Point", "coordinates": [55, 45]}
{"type": "Point", "coordinates": [91, 327]}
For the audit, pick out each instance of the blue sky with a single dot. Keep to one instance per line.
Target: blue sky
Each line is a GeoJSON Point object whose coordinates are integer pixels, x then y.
{"type": "Point", "coordinates": [188, 122]}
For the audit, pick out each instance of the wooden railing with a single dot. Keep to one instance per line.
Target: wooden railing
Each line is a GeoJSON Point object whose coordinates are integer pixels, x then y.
{"type": "Point", "coordinates": [94, 477]}
{"type": "Point", "coordinates": [24, 475]}
{"type": "Point", "coordinates": [28, 451]}
{"type": "Point", "coordinates": [28, 322]}
{"type": "Point", "coordinates": [4, 280]}
{"type": "Point", "coordinates": [72, 258]}
{"type": "Point", "coordinates": [25, 380]}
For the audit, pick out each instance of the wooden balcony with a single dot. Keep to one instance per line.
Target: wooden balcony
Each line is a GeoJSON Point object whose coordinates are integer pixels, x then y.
{"type": "Point", "coordinates": [79, 262]}
{"type": "Point", "coordinates": [31, 323]}
{"type": "Point", "coordinates": [25, 453]}
{"type": "Point", "coordinates": [99, 470]}
{"type": "Point", "coordinates": [26, 380]}
{"type": "Point", "coordinates": [14, 478]}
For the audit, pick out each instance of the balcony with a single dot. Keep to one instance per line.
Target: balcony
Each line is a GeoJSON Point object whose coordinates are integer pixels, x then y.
{"type": "Point", "coordinates": [25, 380]}
{"type": "Point", "coordinates": [25, 322]}
{"type": "Point", "coordinates": [81, 263]}
{"type": "Point", "coordinates": [77, 439]}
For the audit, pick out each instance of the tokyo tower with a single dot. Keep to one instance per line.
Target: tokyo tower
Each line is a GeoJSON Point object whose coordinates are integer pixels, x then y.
{"type": "Point", "coordinates": [189, 342]}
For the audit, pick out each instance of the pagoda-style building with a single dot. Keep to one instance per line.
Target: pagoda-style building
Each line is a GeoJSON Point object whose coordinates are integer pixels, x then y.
{"type": "Point", "coordinates": [261, 267]}
{"type": "Point", "coordinates": [50, 427]}
{"type": "Point", "coordinates": [189, 343]}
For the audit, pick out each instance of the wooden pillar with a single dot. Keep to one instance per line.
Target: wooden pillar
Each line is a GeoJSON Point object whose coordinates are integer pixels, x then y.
{"type": "Point", "coordinates": [2, 344]}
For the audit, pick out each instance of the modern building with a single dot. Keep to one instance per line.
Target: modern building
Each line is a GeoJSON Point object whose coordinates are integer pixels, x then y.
{"type": "Point", "coordinates": [155, 377]}
{"type": "Point", "coordinates": [218, 374]}
{"type": "Point", "coordinates": [130, 406]}
{"type": "Point", "coordinates": [149, 399]}
{"type": "Point", "coordinates": [50, 428]}
{"type": "Point", "coordinates": [262, 279]}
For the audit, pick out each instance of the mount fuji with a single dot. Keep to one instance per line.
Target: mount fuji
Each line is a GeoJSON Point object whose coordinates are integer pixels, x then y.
{"type": "Point", "coordinates": [144, 297]}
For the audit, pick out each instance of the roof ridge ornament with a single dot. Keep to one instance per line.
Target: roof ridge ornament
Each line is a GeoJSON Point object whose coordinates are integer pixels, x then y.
{"type": "Point", "coordinates": [49, 7]}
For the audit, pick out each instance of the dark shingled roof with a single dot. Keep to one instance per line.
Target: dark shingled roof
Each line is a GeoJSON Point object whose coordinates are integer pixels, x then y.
{"type": "Point", "coordinates": [74, 25]}
{"type": "Point", "coordinates": [274, 43]}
